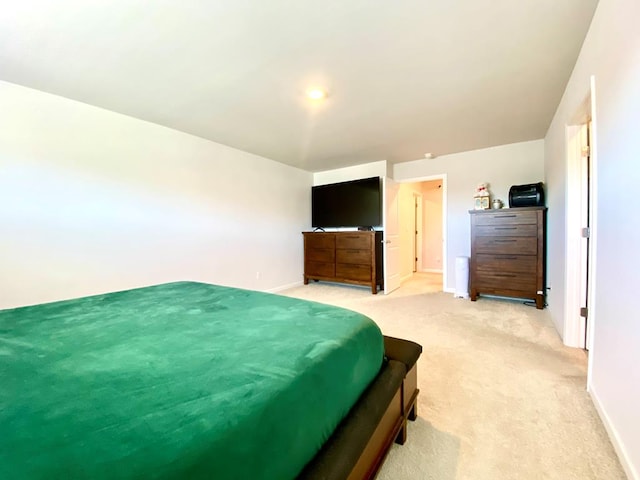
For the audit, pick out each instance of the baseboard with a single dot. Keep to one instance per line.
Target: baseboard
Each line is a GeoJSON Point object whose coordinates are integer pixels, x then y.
{"type": "Point", "coordinates": [431, 270]}
{"type": "Point", "coordinates": [284, 287]}
{"type": "Point", "coordinates": [618, 446]}
{"type": "Point", "coordinates": [448, 289]}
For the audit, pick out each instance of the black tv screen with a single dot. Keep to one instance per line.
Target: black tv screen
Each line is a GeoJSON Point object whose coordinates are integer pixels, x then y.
{"type": "Point", "coordinates": [357, 203]}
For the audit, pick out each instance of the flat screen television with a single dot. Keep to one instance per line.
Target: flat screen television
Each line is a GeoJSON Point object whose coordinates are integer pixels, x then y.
{"type": "Point", "coordinates": [357, 203]}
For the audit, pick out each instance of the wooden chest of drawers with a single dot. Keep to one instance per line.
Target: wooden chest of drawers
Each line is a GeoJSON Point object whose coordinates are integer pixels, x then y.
{"type": "Point", "coordinates": [346, 257]}
{"type": "Point", "coordinates": [508, 253]}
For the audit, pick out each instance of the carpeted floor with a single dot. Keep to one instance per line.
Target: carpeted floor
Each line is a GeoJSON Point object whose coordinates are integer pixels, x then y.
{"type": "Point", "coordinates": [500, 396]}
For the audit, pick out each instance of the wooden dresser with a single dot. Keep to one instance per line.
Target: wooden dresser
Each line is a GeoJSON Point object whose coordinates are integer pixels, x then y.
{"type": "Point", "coordinates": [345, 257]}
{"type": "Point", "coordinates": [508, 253]}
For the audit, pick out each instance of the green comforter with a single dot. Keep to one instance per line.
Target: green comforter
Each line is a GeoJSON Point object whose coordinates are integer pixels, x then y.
{"type": "Point", "coordinates": [182, 380]}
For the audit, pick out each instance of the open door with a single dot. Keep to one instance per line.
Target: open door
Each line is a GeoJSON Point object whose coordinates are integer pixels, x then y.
{"type": "Point", "coordinates": [391, 247]}
{"type": "Point", "coordinates": [578, 220]}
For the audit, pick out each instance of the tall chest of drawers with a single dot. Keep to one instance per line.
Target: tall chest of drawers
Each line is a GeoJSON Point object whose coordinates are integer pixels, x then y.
{"type": "Point", "coordinates": [508, 253]}
{"type": "Point", "coordinates": [346, 257]}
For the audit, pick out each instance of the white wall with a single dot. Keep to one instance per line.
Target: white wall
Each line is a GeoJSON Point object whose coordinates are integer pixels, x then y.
{"type": "Point", "coordinates": [366, 170]}
{"type": "Point", "coordinates": [432, 225]}
{"type": "Point", "coordinates": [611, 52]}
{"type": "Point", "coordinates": [93, 201]}
{"type": "Point", "coordinates": [501, 167]}
{"type": "Point", "coordinates": [356, 172]}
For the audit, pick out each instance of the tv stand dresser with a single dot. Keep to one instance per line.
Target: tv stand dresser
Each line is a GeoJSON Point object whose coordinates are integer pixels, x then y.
{"type": "Point", "coordinates": [344, 257]}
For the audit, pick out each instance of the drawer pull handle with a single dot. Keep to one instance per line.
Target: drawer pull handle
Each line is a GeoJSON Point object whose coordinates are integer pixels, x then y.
{"type": "Point", "coordinates": [505, 216]}
{"type": "Point", "coordinates": [506, 258]}
{"type": "Point", "coordinates": [507, 240]}
{"type": "Point", "coordinates": [506, 228]}
{"type": "Point", "coordinates": [507, 275]}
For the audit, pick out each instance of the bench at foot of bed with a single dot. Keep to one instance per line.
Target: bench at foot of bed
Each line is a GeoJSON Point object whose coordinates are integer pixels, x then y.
{"type": "Point", "coordinates": [408, 353]}
{"type": "Point", "coordinates": [357, 448]}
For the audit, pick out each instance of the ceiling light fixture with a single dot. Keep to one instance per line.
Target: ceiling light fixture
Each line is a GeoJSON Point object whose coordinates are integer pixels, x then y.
{"type": "Point", "coordinates": [316, 94]}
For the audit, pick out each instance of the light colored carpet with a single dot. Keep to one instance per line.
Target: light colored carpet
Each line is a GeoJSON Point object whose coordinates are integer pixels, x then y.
{"type": "Point", "coordinates": [500, 396]}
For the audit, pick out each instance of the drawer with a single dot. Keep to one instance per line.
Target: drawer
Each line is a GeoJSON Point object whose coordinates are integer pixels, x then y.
{"type": "Point", "coordinates": [506, 218]}
{"type": "Point", "coordinates": [506, 231]}
{"type": "Point", "coordinates": [320, 269]}
{"type": "Point", "coordinates": [327, 255]}
{"type": "Point", "coordinates": [506, 245]}
{"type": "Point", "coordinates": [354, 241]}
{"type": "Point", "coordinates": [505, 281]}
{"type": "Point", "coordinates": [353, 272]}
{"type": "Point", "coordinates": [506, 263]}
{"type": "Point", "coordinates": [358, 257]}
{"type": "Point", "coordinates": [320, 240]}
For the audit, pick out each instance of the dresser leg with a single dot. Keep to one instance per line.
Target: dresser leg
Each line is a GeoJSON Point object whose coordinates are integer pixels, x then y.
{"type": "Point", "coordinates": [539, 302]}
{"type": "Point", "coordinates": [473, 295]}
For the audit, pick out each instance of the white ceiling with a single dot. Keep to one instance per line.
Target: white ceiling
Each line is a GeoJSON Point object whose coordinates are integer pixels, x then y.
{"type": "Point", "coordinates": [404, 77]}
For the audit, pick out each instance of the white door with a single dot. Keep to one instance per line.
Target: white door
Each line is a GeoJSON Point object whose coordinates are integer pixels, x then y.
{"type": "Point", "coordinates": [577, 279]}
{"type": "Point", "coordinates": [391, 247]}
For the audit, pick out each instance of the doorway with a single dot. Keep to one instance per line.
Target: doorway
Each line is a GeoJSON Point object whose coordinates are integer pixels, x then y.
{"type": "Point", "coordinates": [433, 233]}
{"type": "Point", "coordinates": [422, 228]}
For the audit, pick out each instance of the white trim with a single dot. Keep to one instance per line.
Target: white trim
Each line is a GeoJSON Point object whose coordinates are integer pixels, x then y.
{"type": "Point", "coordinates": [406, 277]}
{"type": "Point", "coordinates": [593, 241]}
{"type": "Point", "coordinates": [618, 446]}
{"type": "Point", "coordinates": [284, 287]}
{"type": "Point", "coordinates": [448, 290]}
{"type": "Point", "coordinates": [418, 238]}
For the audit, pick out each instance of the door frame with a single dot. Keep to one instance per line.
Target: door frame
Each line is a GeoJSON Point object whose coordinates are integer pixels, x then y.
{"type": "Point", "coordinates": [418, 232]}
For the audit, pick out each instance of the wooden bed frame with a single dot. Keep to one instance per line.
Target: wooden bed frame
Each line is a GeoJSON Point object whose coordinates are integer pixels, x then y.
{"type": "Point", "coordinates": [358, 447]}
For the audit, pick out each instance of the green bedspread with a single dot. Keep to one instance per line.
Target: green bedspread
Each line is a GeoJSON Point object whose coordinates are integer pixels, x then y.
{"type": "Point", "coordinates": [182, 380]}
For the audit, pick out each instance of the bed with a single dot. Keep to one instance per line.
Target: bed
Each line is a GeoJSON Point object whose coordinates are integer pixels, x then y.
{"type": "Point", "coordinates": [191, 380]}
